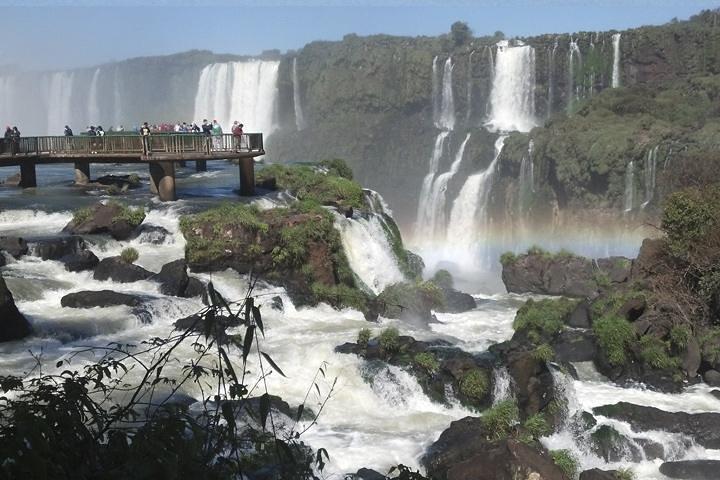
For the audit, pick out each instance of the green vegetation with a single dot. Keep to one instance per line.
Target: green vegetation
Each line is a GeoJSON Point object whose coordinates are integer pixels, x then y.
{"type": "Point", "coordinates": [363, 337]}
{"type": "Point", "coordinates": [602, 279]}
{"type": "Point", "coordinates": [543, 353]}
{"type": "Point", "coordinates": [543, 318]}
{"type": "Point", "coordinates": [81, 215]}
{"type": "Point", "coordinates": [655, 352]}
{"type": "Point", "coordinates": [566, 461]}
{"type": "Point", "coordinates": [612, 302]}
{"type": "Point", "coordinates": [615, 335]}
{"type": "Point", "coordinates": [508, 258]}
{"type": "Point", "coordinates": [339, 296]}
{"type": "Point", "coordinates": [500, 420]}
{"type": "Point", "coordinates": [133, 216]}
{"type": "Point", "coordinates": [680, 336]}
{"type": "Point", "coordinates": [443, 279]}
{"type": "Point", "coordinates": [338, 167]}
{"type": "Point", "coordinates": [428, 362]}
{"type": "Point", "coordinates": [389, 340]}
{"type": "Point", "coordinates": [129, 255]}
{"type": "Point", "coordinates": [536, 427]}
{"type": "Point", "coordinates": [689, 216]}
{"type": "Point", "coordinates": [413, 298]}
{"type": "Point", "coordinates": [624, 474]}
{"type": "Point", "coordinates": [474, 384]}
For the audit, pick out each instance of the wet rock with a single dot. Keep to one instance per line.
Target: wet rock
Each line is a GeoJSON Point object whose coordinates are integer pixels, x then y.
{"type": "Point", "coordinates": [691, 357]}
{"type": "Point", "coordinates": [368, 474]}
{"type": "Point", "coordinates": [54, 248]}
{"type": "Point", "coordinates": [153, 234]}
{"type": "Point", "coordinates": [13, 324]}
{"type": "Point", "coordinates": [121, 182]}
{"type": "Point", "coordinates": [550, 275]}
{"type": "Point", "coordinates": [633, 308]}
{"type": "Point", "coordinates": [533, 381]}
{"type": "Point", "coordinates": [611, 445]}
{"type": "Point", "coordinates": [580, 316]}
{"type": "Point", "coordinates": [195, 288]}
{"type": "Point", "coordinates": [118, 270]}
{"type": "Point", "coordinates": [712, 378]}
{"type": "Point", "coordinates": [617, 269]}
{"type": "Point", "coordinates": [210, 326]}
{"type": "Point", "coordinates": [692, 469]}
{"type": "Point", "coordinates": [101, 298]}
{"type": "Point", "coordinates": [111, 219]}
{"type": "Point", "coordinates": [173, 278]}
{"type": "Point", "coordinates": [276, 303]}
{"type": "Point", "coordinates": [77, 262]}
{"type": "Point", "coordinates": [12, 180]}
{"type": "Point", "coordinates": [703, 427]}
{"type": "Point", "coordinates": [715, 393]}
{"type": "Point", "coordinates": [14, 246]}
{"type": "Point", "coordinates": [415, 264]}
{"type": "Point", "coordinates": [458, 302]}
{"type": "Point", "coordinates": [652, 449]}
{"type": "Point", "coordinates": [597, 474]}
{"type": "Point", "coordinates": [575, 346]}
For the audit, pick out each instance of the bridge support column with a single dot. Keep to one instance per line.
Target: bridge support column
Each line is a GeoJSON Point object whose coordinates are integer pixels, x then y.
{"type": "Point", "coordinates": [247, 176]}
{"type": "Point", "coordinates": [27, 174]}
{"type": "Point", "coordinates": [82, 173]}
{"type": "Point", "coordinates": [201, 165]}
{"type": "Point", "coordinates": [162, 178]}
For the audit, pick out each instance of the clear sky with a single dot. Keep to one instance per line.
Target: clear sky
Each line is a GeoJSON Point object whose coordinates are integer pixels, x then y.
{"type": "Point", "coordinates": [75, 33]}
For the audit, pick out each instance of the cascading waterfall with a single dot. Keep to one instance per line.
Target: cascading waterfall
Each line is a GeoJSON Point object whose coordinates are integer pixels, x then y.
{"type": "Point", "coordinates": [649, 175]}
{"type": "Point", "coordinates": [299, 117]}
{"type": "Point", "coordinates": [435, 92]}
{"type": "Point", "coordinates": [527, 178]}
{"type": "Point", "coordinates": [616, 61]}
{"type": "Point", "coordinates": [446, 118]}
{"type": "Point", "coordinates": [502, 385]}
{"type": "Point", "coordinates": [117, 98]}
{"type": "Point", "coordinates": [469, 88]}
{"type": "Point", "coordinates": [574, 55]}
{"type": "Point", "coordinates": [630, 187]}
{"type": "Point", "coordinates": [468, 227]}
{"type": "Point", "coordinates": [60, 89]}
{"type": "Point", "coordinates": [423, 214]}
{"type": "Point", "coordinates": [93, 112]}
{"type": "Point", "coordinates": [551, 78]}
{"type": "Point", "coordinates": [244, 91]}
{"type": "Point", "coordinates": [512, 100]}
{"type": "Point", "coordinates": [491, 71]}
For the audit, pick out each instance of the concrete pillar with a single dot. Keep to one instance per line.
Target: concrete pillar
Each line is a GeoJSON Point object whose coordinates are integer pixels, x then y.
{"type": "Point", "coordinates": [247, 176]}
{"type": "Point", "coordinates": [163, 176]}
{"type": "Point", "coordinates": [153, 185]}
{"type": "Point", "coordinates": [82, 173]}
{"type": "Point", "coordinates": [27, 174]}
{"type": "Point", "coordinates": [201, 165]}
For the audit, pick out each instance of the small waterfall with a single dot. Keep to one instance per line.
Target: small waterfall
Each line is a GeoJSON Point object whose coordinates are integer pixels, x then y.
{"type": "Point", "coordinates": [551, 78]}
{"type": "Point", "coordinates": [502, 383]}
{"type": "Point", "coordinates": [446, 119]}
{"type": "Point", "coordinates": [299, 117]}
{"type": "Point", "coordinates": [60, 91]}
{"type": "Point", "coordinates": [649, 175]}
{"type": "Point", "coordinates": [616, 61]}
{"type": "Point", "coordinates": [93, 112]}
{"type": "Point", "coordinates": [468, 227]}
{"type": "Point", "coordinates": [512, 99]}
{"type": "Point", "coordinates": [574, 55]}
{"type": "Point", "coordinates": [469, 88]}
{"type": "Point", "coordinates": [491, 70]}
{"type": "Point", "coordinates": [630, 187]}
{"type": "Point", "coordinates": [526, 180]}
{"type": "Point", "coordinates": [244, 91]}
{"type": "Point", "coordinates": [117, 99]}
{"type": "Point", "coordinates": [435, 91]}
{"type": "Point", "coordinates": [424, 214]}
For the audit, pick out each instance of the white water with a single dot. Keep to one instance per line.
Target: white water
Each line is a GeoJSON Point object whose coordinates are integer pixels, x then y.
{"type": "Point", "coordinates": [117, 99]}
{"type": "Point", "coordinates": [59, 94]}
{"type": "Point", "coordinates": [93, 112]}
{"type": "Point", "coordinates": [574, 56]}
{"type": "Point", "coordinates": [512, 99]}
{"type": "Point", "coordinates": [526, 183]}
{"type": "Point", "coordinates": [423, 213]}
{"type": "Point", "coordinates": [551, 78]}
{"type": "Point", "coordinates": [446, 114]}
{"type": "Point", "coordinates": [629, 196]}
{"type": "Point", "coordinates": [299, 117]}
{"type": "Point", "coordinates": [502, 385]}
{"type": "Point", "coordinates": [616, 60]}
{"type": "Point", "coordinates": [435, 91]}
{"type": "Point", "coordinates": [469, 88]}
{"type": "Point", "coordinates": [649, 175]}
{"type": "Point", "coordinates": [243, 91]}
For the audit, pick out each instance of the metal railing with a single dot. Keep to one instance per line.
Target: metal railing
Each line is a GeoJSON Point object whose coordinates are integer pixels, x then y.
{"type": "Point", "coordinates": [175, 144]}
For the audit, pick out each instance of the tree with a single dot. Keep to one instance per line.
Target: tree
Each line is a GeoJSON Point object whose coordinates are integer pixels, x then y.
{"type": "Point", "coordinates": [460, 33]}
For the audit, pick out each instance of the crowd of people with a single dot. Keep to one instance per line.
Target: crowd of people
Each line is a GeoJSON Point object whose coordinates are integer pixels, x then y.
{"type": "Point", "coordinates": [11, 140]}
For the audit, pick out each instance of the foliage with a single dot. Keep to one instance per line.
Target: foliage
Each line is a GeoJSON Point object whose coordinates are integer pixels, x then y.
{"type": "Point", "coordinates": [389, 340]}
{"type": "Point", "coordinates": [611, 302]}
{"type": "Point", "coordinates": [566, 461]}
{"type": "Point", "coordinates": [339, 296]}
{"type": "Point", "coordinates": [338, 167]}
{"type": "Point", "coordinates": [500, 420]}
{"type": "Point", "coordinates": [544, 317]}
{"type": "Point", "coordinates": [543, 353]}
{"type": "Point", "coordinates": [474, 384]}
{"type": "Point", "coordinates": [428, 362]}
{"type": "Point", "coordinates": [689, 215]}
{"type": "Point", "coordinates": [82, 215]}
{"type": "Point", "coordinates": [129, 255]}
{"type": "Point", "coordinates": [615, 335]}
{"type": "Point", "coordinates": [680, 336]}
{"type": "Point", "coordinates": [624, 474]}
{"type": "Point", "coordinates": [602, 279]}
{"type": "Point", "coordinates": [654, 352]}
{"type": "Point", "coordinates": [411, 297]}
{"type": "Point", "coordinates": [133, 216]}
{"type": "Point", "coordinates": [536, 427]}
{"type": "Point", "coordinates": [508, 258]}
{"type": "Point", "coordinates": [363, 337]}
{"type": "Point", "coordinates": [460, 33]}
{"type": "Point", "coordinates": [443, 279]}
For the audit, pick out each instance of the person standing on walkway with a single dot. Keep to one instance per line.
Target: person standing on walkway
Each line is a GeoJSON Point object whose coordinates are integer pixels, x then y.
{"type": "Point", "coordinates": [237, 131]}
{"type": "Point", "coordinates": [15, 140]}
{"type": "Point", "coordinates": [7, 140]}
{"type": "Point", "coordinates": [217, 135]}
{"type": "Point", "coordinates": [145, 134]}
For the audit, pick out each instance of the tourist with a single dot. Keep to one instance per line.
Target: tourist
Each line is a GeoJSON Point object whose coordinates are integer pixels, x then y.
{"type": "Point", "coordinates": [120, 129]}
{"type": "Point", "coordinates": [99, 131]}
{"type": "Point", "coordinates": [237, 131]}
{"type": "Point", "coordinates": [195, 128]}
{"type": "Point", "coordinates": [68, 131]}
{"type": "Point", "coordinates": [217, 135]}
{"type": "Point", "coordinates": [145, 133]}
{"type": "Point", "coordinates": [7, 140]}
{"type": "Point", "coordinates": [15, 140]}
{"type": "Point", "coordinates": [177, 128]}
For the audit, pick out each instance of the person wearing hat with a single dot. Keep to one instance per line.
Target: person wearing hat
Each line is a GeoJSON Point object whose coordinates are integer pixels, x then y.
{"type": "Point", "coordinates": [145, 134]}
{"type": "Point", "coordinates": [237, 132]}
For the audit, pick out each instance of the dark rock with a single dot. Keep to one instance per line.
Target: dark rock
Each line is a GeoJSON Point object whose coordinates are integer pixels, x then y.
{"type": "Point", "coordinates": [104, 219]}
{"type": "Point", "coordinates": [651, 259]}
{"type": "Point", "coordinates": [118, 270]}
{"type": "Point", "coordinates": [457, 302]}
{"type": "Point", "coordinates": [597, 474]}
{"type": "Point", "coordinates": [198, 323]}
{"type": "Point", "coordinates": [276, 303]}
{"type": "Point", "coordinates": [617, 269]}
{"type": "Point", "coordinates": [3, 260]}
{"type": "Point", "coordinates": [55, 248]}
{"type": "Point", "coordinates": [715, 393]}
{"type": "Point", "coordinates": [533, 381]}
{"type": "Point", "coordinates": [692, 469]}
{"type": "Point", "coordinates": [15, 246]}
{"type": "Point", "coordinates": [611, 445]}
{"type": "Point", "coordinates": [153, 234]}
{"type": "Point", "coordinates": [703, 427]}
{"type": "Point", "coordinates": [12, 180]}
{"type": "Point", "coordinates": [691, 357]}
{"type": "Point", "coordinates": [122, 182]}
{"type": "Point", "coordinates": [13, 324]}
{"type": "Point", "coordinates": [712, 378]}
{"type": "Point", "coordinates": [252, 405]}
{"type": "Point", "coordinates": [77, 262]}
{"type": "Point", "coordinates": [652, 449]}
{"type": "Point", "coordinates": [415, 264]}
{"type": "Point", "coordinates": [580, 316]}
{"type": "Point", "coordinates": [173, 278]}
{"type": "Point", "coordinates": [633, 308]}
{"type": "Point", "coordinates": [266, 183]}
{"type": "Point", "coordinates": [550, 275]}
{"type": "Point", "coordinates": [195, 288]}
{"type": "Point", "coordinates": [101, 298]}
{"type": "Point", "coordinates": [368, 474]}
{"type": "Point", "coordinates": [575, 346]}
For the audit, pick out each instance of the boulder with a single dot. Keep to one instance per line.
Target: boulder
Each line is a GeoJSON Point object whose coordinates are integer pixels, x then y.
{"type": "Point", "coordinates": [457, 301]}
{"type": "Point", "coordinates": [651, 260]}
{"type": "Point", "coordinates": [13, 324]}
{"type": "Point", "coordinates": [153, 234]}
{"type": "Point", "coordinates": [580, 316]}
{"type": "Point", "coordinates": [173, 278]}
{"type": "Point", "coordinates": [14, 246]}
{"type": "Point", "coordinates": [534, 386]}
{"type": "Point", "coordinates": [110, 218]}
{"type": "Point", "coordinates": [550, 275]}
{"type": "Point", "coordinates": [652, 449]}
{"type": "Point", "coordinates": [703, 427]}
{"type": "Point", "coordinates": [368, 474]}
{"type": "Point", "coordinates": [715, 393]}
{"type": "Point", "coordinates": [77, 262]}
{"type": "Point", "coordinates": [575, 346]}
{"type": "Point", "coordinates": [597, 474]}
{"type": "Point", "coordinates": [12, 180]}
{"type": "Point", "coordinates": [633, 308]}
{"type": "Point", "coordinates": [195, 288]}
{"type": "Point", "coordinates": [276, 303]}
{"type": "Point", "coordinates": [118, 270]}
{"type": "Point", "coordinates": [692, 469]}
{"type": "Point", "coordinates": [415, 264]}
{"type": "Point", "coordinates": [612, 446]}
{"type": "Point", "coordinates": [101, 298]}
{"type": "Point", "coordinates": [54, 248]}
{"type": "Point", "coordinates": [712, 378]}
{"type": "Point", "coordinates": [691, 357]}
{"type": "Point", "coordinates": [617, 269]}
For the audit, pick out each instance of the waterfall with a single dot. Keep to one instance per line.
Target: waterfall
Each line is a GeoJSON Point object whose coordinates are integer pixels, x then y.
{"type": "Point", "coordinates": [469, 88]}
{"type": "Point", "coordinates": [573, 89]}
{"type": "Point", "coordinates": [467, 230]}
{"type": "Point", "coordinates": [649, 175]}
{"type": "Point", "coordinates": [7, 97]}
{"type": "Point", "coordinates": [551, 78]}
{"type": "Point", "coordinates": [512, 99]}
{"type": "Point", "coordinates": [502, 383]}
{"type": "Point", "coordinates": [423, 213]}
{"type": "Point", "coordinates": [630, 187]}
{"type": "Point", "coordinates": [435, 216]}
{"type": "Point", "coordinates": [299, 117]}
{"type": "Point", "coordinates": [59, 102]}
{"type": "Point", "coordinates": [527, 180]}
{"type": "Point", "coordinates": [491, 70]}
{"type": "Point", "coordinates": [244, 91]}
{"type": "Point", "coordinates": [93, 111]}
{"type": "Point", "coordinates": [616, 61]}
{"type": "Point", "coordinates": [117, 99]}
{"type": "Point", "coordinates": [446, 118]}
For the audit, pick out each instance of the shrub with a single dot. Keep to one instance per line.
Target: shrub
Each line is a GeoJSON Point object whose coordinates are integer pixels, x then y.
{"type": "Point", "coordinates": [363, 337]}
{"type": "Point", "coordinates": [309, 183]}
{"type": "Point", "coordinates": [339, 296]}
{"type": "Point", "coordinates": [133, 216]}
{"type": "Point", "coordinates": [537, 426]}
{"type": "Point", "coordinates": [680, 336]}
{"type": "Point", "coordinates": [475, 384]}
{"type": "Point", "coordinates": [654, 352]}
{"type": "Point", "coordinates": [389, 340]}
{"type": "Point", "coordinates": [689, 215]}
{"type": "Point", "coordinates": [545, 317]}
{"type": "Point", "coordinates": [82, 215]}
{"type": "Point", "coordinates": [602, 279]}
{"type": "Point", "coordinates": [543, 353]}
{"type": "Point", "coordinates": [537, 250]}
{"type": "Point", "coordinates": [615, 335]}
{"type": "Point", "coordinates": [338, 167]}
{"type": "Point", "coordinates": [129, 255]}
{"type": "Point", "coordinates": [508, 258]}
{"type": "Point", "coordinates": [624, 474]}
{"type": "Point", "coordinates": [499, 420]}
{"type": "Point", "coordinates": [428, 362]}
{"type": "Point", "coordinates": [134, 179]}
{"type": "Point", "coordinates": [443, 279]}
{"type": "Point", "coordinates": [566, 461]}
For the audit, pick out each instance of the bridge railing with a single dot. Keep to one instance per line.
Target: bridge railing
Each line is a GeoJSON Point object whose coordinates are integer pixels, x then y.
{"type": "Point", "coordinates": [133, 144]}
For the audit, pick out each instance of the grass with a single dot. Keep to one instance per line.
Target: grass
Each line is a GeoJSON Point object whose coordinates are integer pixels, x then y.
{"type": "Point", "coordinates": [615, 336]}
{"type": "Point", "coordinates": [654, 352]}
{"type": "Point", "coordinates": [566, 461]}
{"type": "Point", "coordinates": [338, 167]}
{"type": "Point", "coordinates": [536, 427]}
{"type": "Point", "coordinates": [363, 337]}
{"type": "Point", "coordinates": [508, 258]}
{"type": "Point", "coordinates": [129, 255]}
{"type": "Point", "coordinates": [624, 474]}
{"type": "Point", "coordinates": [428, 362]}
{"type": "Point", "coordinates": [82, 215]}
{"type": "Point", "coordinates": [474, 384]}
{"type": "Point", "coordinates": [680, 336]}
{"type": "Point", "coordinates": [443, 279]}
{"type": "Point", "coordinates": [543, 353]}
{"type": "Point", "coordinates": [500, 420]}
{"type": "Point", "coordinates": [339, 296]}
{"type": "Point", "coordinates": [133, 216]}
{"type": "Point", "coordinates": [610, 303]}
{"type": "Point", "coordinates": [545, 317]}
{"type": "Point", "coordinates": [390, 340]}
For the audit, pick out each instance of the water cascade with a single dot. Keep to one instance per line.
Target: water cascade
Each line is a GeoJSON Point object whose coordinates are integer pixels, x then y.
{"type": "Point", "coordinates": [243, 91]}
{"type": "Point", "coordinates": [551, 78]}
{"type": "Point", "coordinates": [423, 214]}
{"type": "Point", "coordinates": [616, 61]}
{"type": "Point", "coordinates": [491, 71]}
{"type": "Point", "coordinates": [502, 385]}
{"type": "Point", "coordinates": [446, 114]}
{"type": "Point", "coordinates": [93, 111]}
{"type": "Point", "coordinates": [117, 98]}
{"type": "Point", "coordinates": [60, 89]}
{"type": "Point", "coordinates": [573, 91]}
{"type": "Point", "coordinates": [435, 92]}
{"type": "Point", "coordinates": [299, 117]}
{"type": "Point", "coordinates": [512, 99]}
{"type": "Point", "coordinates": [527, 179]}
{"type": "Point", "coordinates": [649, 175]}
{"type": "Point", "coordinates": [469, 88]}
{"type": "Point", "coordinates": [630, 187]}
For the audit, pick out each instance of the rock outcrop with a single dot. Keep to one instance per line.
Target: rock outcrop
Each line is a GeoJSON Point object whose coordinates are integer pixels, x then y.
{"type": "Point", "coordinates": [13, 324]}
{"type": "Point", "coordinates": [118, 270]}
{"type": "Point", "coordinates": [112, 219]}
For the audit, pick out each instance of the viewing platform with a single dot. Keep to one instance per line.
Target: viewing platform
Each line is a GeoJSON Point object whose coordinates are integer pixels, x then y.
{"type": "Point", "coordinates": [163, 151]}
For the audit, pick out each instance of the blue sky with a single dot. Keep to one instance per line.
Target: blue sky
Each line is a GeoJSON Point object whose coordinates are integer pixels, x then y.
{"type": "Point", "coordinates": [70, 33]}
